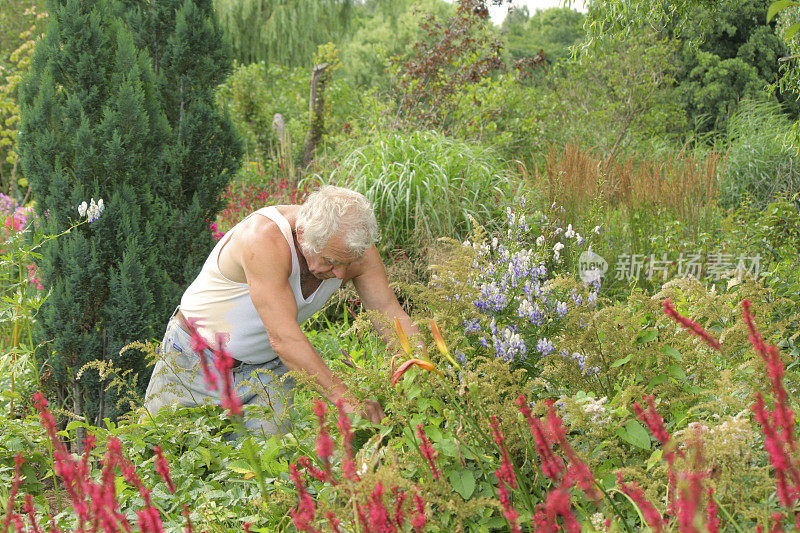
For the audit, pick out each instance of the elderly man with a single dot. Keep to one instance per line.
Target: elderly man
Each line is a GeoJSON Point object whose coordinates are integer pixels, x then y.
{"type": "Point", "coordinates": [264, 278]}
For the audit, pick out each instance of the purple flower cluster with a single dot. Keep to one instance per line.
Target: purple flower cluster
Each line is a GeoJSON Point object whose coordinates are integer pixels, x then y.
{"type": "Point", "coordinates": [580, 360]}
{"type": "Point", "coordinates": [508, 343]}
{"type": "Point", "coordinates": [510, 286]}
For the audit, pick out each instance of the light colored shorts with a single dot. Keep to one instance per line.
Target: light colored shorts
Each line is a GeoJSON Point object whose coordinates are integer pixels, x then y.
{"type": "Point", "coordinates": [178, 380]}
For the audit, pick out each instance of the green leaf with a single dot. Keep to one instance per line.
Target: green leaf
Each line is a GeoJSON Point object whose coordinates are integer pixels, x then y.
{"type": "Point", "coordinates": [463, 482]}
{"type": "Point", "coordinates": [635, 433]}
{"type": "Point", "coordinates": [74, 424]}
{"type": "Point", "coordinates": [676, 372]}
{"type": "Point", "coordinates": [778, 5]}
{"type": "Point", "coordinates": [791, 31]}
{"type": "Point", "coordinates": [658, 380]}
{"type": "Point", "coordinates": [648, 335]}
{"type": "Point", "coordinates": [620, 362]}
{"type": "Point", "coordinates": [206, 454]}
{"type": "Point", "coordinates": [672, 352]}
{"type": "Point", "coordinates": [654, 458]}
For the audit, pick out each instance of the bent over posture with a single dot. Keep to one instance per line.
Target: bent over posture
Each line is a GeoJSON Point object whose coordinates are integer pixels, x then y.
{"type": "Point", "coordinates": [264, 278]}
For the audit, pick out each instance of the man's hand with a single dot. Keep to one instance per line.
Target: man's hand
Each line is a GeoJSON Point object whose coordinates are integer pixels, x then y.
{"type": "Point", "coordinates": [372, 410]}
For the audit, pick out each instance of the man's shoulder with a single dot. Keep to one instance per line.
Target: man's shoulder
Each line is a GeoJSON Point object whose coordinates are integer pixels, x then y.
{"type": "Point", "coordinates": [262, 237]}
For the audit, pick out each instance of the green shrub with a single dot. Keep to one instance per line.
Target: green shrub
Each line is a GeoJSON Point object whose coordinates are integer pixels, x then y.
{"type": "Point", "coordinates": [424, 185]}
{"type": "Point", "coordinates": [254, 93]}
{"type": "Point", "coordinates": [762, 155]}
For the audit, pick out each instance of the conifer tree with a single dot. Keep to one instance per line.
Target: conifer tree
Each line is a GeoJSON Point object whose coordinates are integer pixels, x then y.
{"type": "Point", "coordinates": [99, 119]}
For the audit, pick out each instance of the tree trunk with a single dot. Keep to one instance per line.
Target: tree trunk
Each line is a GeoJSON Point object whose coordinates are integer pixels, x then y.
{"type": "Point", "coordinates": [316, 107]}
{"type": "Point", "coordinates": [284, 150]}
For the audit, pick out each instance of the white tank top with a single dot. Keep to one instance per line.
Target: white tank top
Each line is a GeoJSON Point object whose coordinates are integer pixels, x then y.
{"type": "Point", "coordinates": [224, 307]}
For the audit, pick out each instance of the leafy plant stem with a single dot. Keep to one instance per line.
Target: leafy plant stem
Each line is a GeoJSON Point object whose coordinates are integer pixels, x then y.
{"type": "Point", "coordinates": [728, 516]}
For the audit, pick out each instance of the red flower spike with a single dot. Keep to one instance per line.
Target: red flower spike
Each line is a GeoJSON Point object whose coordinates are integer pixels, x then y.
{"type": "Point", "coordinates": [348, 464]}
{"type": "Point", "coordinates": [712, 518]}
{"type": "Point", "coordinates": [688, 501]}
{"type": "Point", "coordinates": [224, 364]}
{"type": "Point", "coordinates": [552, 466]}
{"type": "Point", "coordinates": [316, 473]}
{"type": "Point", "coordinates": [162, 467]}
{"type": "Point", "coordinates": [324, 443]}
{"type": "Point", "coordinates": [428, 452]}
{"type": "Point", "coordinates": [334, 522]}
{"type": "Point", "coordinates": [651, 516]}
{"type": "Point", "coordinates": [399, 496]}
{"type": "Point", "coordinates": [188, 527]}
{"type": "Point", "coordinates": [199, 345]}
{"type": "Point", "coordinates": [655, 423]}
{"type": "Point", "coordinates": [378, 515]}
{"type": "Point", "coordinates": [303, 514]}
{"type": "Point", "coordinates": [15, 483]}
{"type": "Point", "coordinates": [419, 520]}
{"type": "Point", "coordinates": [557, 504]}
{"type": "Point", "coordinates": [777, 523]}
{"type": "Point", "coordinates": [28, 509]}
{"type": "Point", "coordinates": [691, 326]}
{"type": "Point", "coordinates": [509, 512]}
{"type": "Point", "coordinates": [506, 467]}
{"type": "Point", "coordinates": [578, 472]}
{"type": "Point", "coordinates": [778, 425]}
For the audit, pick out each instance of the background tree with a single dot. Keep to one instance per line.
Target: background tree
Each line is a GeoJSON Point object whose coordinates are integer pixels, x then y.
{"type": "Point", "coordinates": [729, 53]}
{"type": "Point", "coordinates": [553, 30]}
{"type": "Point", "coordinates": [454, 52]}
{"type": "Point", "coordinates": [95, 122]}
{"type": "Point", "coordinates": [283, 32]}
{"type": "Point", "coordinates": [616, 93]}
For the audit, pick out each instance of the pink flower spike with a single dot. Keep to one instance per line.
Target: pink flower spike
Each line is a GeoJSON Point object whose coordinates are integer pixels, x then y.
{"type": "Point", "coordinates": [303, 514]}
{"type": "Point", "coordinates": [378, 515]}
{"type": "Point", "coordinates": [162, 467]}
{"type": "Point", "coordinates": [199, 345]}
{"type": "Point", "coordinates": [552, 466]}
{"type": "Point", "coordinates": [15, 483]}
{"type": "Point", "coordinates": [506, 467]}
{"type": "Point", "coordinates": [224, 363]}
{"type": "Point", "coordinates": [712, 520]}
{"type": "Point", "coordinates": [324, 443]}
{"type": "Point", "coordinates": [691, 325]}
{"type": "Point", "coordinates": [419, 520]}
{"type": "Point", "coordinates": [348, 465]}
{"type": "Point", "coordinates": [334, 522]}
{"type": "Point", "coordinates": [27, 508]}
{"type": "Point", "coordinates": [509, 512]}
{"type": "Point", "coordinates": [428, 452]}
{"type": "Point", "coordinates": [651, 516]}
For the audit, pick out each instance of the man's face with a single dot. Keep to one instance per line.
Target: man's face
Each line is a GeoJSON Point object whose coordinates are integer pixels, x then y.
{"type": "Point", "coordinates": [332, 261]}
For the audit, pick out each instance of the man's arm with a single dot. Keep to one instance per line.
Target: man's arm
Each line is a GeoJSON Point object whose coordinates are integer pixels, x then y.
{"type": "Point", "coordinates": [266, 260]}
{"type": "Point", "coordinates": [376, 295]}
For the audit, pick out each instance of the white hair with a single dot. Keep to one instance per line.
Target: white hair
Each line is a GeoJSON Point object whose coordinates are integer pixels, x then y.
{"type": "Point", "coordinates": [333, 211]}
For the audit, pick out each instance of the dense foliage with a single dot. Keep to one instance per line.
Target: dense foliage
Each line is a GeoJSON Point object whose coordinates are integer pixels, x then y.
{"type": "Point", "coordinates": [593, 219]}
